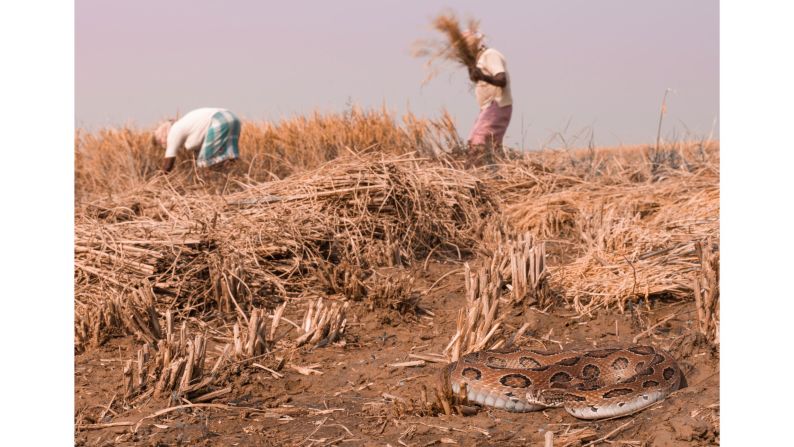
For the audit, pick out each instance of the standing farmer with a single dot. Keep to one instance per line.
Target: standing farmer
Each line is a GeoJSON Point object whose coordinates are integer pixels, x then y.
{"type": "Point", "coordinates": [212, 131]}
{"type": "Point", "coordinates": [493, 96]}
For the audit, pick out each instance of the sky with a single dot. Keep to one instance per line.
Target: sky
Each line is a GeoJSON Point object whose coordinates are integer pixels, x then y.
{"type": "Point", "coordinates": [581, 70]}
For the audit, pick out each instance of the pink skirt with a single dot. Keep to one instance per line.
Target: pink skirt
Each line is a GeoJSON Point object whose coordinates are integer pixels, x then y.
{"type": "Point", "coordinates": [491, 125]}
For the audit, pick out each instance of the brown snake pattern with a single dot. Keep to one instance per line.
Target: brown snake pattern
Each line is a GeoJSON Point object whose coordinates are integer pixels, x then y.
{"type": "Point", "coordinates": [589, 384]}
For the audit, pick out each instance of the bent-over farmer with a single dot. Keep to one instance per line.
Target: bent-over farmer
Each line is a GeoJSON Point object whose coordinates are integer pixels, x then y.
{"type": "Point", "coordinates": [212, 131]}
{"type": "Point", "coordinates": [493, 96]}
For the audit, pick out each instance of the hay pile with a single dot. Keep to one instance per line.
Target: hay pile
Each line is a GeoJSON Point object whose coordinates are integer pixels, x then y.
{"type": "Point", "coordinates": [620, 226]}
{"type": "Point", "coordinates": [215, 272]}
{"type": "Point", "coordinates": [626, 230]}
{"type": "Point", "coordinates": [224, 272]}
{"type": "Point", "coordinates": [319, 232]}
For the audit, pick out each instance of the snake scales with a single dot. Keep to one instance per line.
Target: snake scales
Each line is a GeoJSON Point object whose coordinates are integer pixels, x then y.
{"type": "Point", "coordinates": [589, 384]}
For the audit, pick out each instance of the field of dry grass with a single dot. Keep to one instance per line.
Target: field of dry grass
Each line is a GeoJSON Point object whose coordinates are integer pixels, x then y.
{"type": "Point", "coordinates": [306, 294]}
{"type": "Point", "coordinates": [116, 160]}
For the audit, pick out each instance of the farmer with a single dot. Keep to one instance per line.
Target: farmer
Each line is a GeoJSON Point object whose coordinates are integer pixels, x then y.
{"type": "Point", "coordinates": [493, 96]}
{"type": "Point", "coordinates": [212, 131]}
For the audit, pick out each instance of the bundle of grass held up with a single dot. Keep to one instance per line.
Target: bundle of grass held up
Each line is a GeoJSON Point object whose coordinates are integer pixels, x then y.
{"type": "Point", "coordinates": [454, 47]}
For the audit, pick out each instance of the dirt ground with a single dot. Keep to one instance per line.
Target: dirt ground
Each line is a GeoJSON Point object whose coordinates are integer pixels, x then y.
{"type": "Point", "coordinates": [359, 399]}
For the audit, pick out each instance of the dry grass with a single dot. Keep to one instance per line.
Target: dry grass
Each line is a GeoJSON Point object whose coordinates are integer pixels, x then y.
{"type": "Point", "coordinates": [707, 291]}
{"type": "Point", "coordinates": [277, 253]}
{"type": "Point", "coordinates": [112, 161]}
{"type": "Point", "coordinates": [515, 275]}
{"type": "Point", "coordinates": [480, 320]}
{"type": "Point", "coordinates": [627, 222]}
{"type": "Point", "coordinates": [453, 46]}
{"type": "Point", "coordinates": [627, 228]}
{"type": "Point", "coordinates": [321, 231]}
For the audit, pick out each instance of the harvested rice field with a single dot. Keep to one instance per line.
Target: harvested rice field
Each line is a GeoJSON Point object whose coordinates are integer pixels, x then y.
{"type": "Point", "coordinates": [311, 293]}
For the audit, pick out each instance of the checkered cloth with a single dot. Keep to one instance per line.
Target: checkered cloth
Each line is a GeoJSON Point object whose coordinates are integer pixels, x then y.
{"type": "Point", "coordinates": [220, 144]}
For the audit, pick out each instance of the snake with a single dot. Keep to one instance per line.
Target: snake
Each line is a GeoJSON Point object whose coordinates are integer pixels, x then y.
{"type": "Point", "coordinates": [588, 384]}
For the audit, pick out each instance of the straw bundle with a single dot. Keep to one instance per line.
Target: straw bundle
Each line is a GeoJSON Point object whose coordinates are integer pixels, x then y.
{"type": "Point", "coordinates": [393, 292]}
{"type": "Point", "coordinates": [322, 230]}
{"type": "Point", "coordinates": [707, 291]}
{"type": "Point", "coordinates": [629, 255]}
{"type": "Point", "coordinates": [528, 272]}
{"type": "Point", "coordinates": [132, 312]}
{"type": "Point", "coordinates": [343, 278]}
{"type": "Point", "coordinates": [625, 239]}
{"type": "Point", "coordinates": [256, 337]}
{"type": "Point", "coordinates": [322, 324]}
{"type": "Point", "coordinates": [453, 47]}
{"type": "Point", "coordinates": [176, 368]}
{"type": "Point", "coordinates": [521, 262]}
{"type": "Point", "coordinates": [479, 322]}
{"type": "Point", "coordinates": [95, 323]}
{"type": "Point", "coordinates": [350, 216]}
{"type": "Point", "coordinates": [519, 266]}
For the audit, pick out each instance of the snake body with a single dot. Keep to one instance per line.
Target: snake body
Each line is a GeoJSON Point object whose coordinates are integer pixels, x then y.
{"type": "Point", "coordinates": [589, 384]}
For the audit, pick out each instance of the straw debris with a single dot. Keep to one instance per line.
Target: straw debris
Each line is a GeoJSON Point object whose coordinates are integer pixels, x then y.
{"type": "Point", "coordinates": [217, 275]}
{"type": "Point", "coordinates": [707, 291]}
{"type": "Point", "coordinates": [453, 46]}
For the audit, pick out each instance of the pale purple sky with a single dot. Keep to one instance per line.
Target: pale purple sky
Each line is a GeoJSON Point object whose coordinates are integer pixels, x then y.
{"type": "Point", "coordinates": [575, 65]}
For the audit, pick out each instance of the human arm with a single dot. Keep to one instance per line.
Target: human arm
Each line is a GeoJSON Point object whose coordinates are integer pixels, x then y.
{"type": "Point", "coordinates": [168, 163]}
{"type": "Point", "coordinates": [490, 68]}
{"type": "Point", "coordinates": [499, 79]}
{"type": "Point", "coordinates": [176, 139]}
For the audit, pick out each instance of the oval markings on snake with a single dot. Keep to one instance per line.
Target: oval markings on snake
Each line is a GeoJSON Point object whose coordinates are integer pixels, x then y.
{"type": "Point", "coordinates": [515, 381]}
{"type": "Point", "coordinates": [620, 363]}
{"type": "Point", "coordinates": [601, 353]}
{"type": "Point", "coordinates": [560, 377]}
{"type": "Point", "coordinates": [569, 361]}
{"type": "Point", "coordinates": [617, 392]}
{"type": "Point", "coordinates": [528, 362]}
{"type": "Point", "coordinates": [656, 360]}
{"type": "Point", "coordinates": [474, 357]}
{"type": "Point", "coordinates": [590, 372]}
{"type": "Point", "coordinates": [505, 350]}
{"type": "Point", "coordinates": [574, 397]}
{"type": "Point", "coordinates": [496, 362]}
{"type": "Point", "coordinates": [650, 383]}
{"type": "Point", "coordinates": [668, 373]}
{"type": "Point", "coordinates": [588, 386]}
{"type": "Point", "coordinates": [642, 350]}
{"type": "Point", "coordinates": [472, 373]}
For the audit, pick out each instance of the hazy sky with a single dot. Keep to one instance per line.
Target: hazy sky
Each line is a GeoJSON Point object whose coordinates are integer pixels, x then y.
{"type": "Point", "coordinates": [575, 66]}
